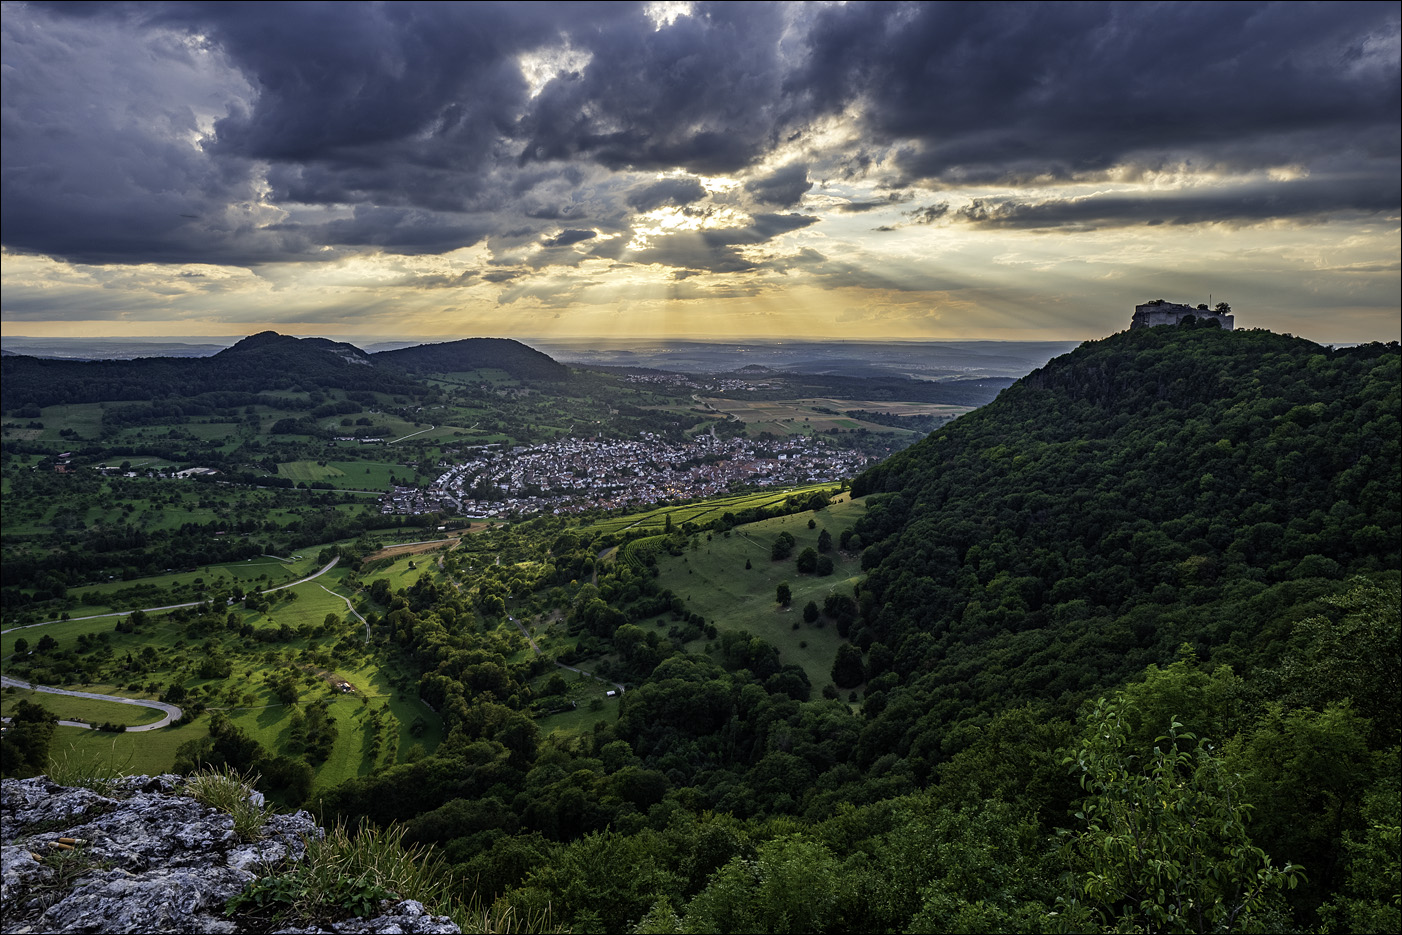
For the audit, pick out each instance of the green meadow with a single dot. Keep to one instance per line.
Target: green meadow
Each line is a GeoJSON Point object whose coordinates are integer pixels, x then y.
{"type": "Point", "coordinates": [712, 581]}
{"type": "Point", "coordinates": [703, 512]}
{"type": "Point", "coordinates": [68, 708]}
{"type": "Point", "coordinates": [380, 723]}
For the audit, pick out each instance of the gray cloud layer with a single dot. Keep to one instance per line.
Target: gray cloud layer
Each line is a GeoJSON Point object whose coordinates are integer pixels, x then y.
{"type": "Point", "coordinates": [247, 134]}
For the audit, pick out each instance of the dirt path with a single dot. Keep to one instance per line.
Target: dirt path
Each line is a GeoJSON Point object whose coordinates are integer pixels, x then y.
{"type": "Point", "coordinates": [412, 434]}
{"type": "Point", "coordinates": [524, 632]}
{"type": "Point", "coordinates": [350, 607]}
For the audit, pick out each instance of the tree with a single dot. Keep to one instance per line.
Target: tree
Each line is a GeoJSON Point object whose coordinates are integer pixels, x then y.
{"type": "Point", "coordinates": [21, 646]}
{"type": "Point", "coordinates": [847, 670]}
{"type": "Point", "coordinates": [807, 561]}
{"type": "Point", "coordinates": [810, 612]}
{"type": "Point", "coordinates": [783, 594]}
{"type": "Point", "coordinates": [1222, 307]}
{"type": "Point", "coordinates": [24, 747]}
{"type": "Point", "coordinates": [824, 541]}
{"type": "Point", "coordinates": [1164, 846]}
{"type": "Point", "coordinates": [792, 885]}
{"type": "Point", "coordinates": [783, 547]}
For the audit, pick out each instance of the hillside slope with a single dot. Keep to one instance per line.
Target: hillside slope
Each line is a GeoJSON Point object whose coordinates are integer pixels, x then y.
{"type": "Point", "coordinates": [1154, 488]}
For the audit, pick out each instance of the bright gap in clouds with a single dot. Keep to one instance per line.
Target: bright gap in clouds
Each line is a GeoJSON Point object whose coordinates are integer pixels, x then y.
{"type": "Point", "coordinates": [542, 66]}
{"type": "Point", "coordinates": [666, 12]}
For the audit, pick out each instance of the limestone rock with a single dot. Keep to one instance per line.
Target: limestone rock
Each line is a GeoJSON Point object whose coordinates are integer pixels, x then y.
{"type": "Point", "coordinates": [139, 857]}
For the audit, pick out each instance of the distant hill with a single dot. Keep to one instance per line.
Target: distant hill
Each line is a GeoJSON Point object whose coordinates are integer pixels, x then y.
{"type": "Point", "coordinates": [505, 354]}
{"type": "Point", "coordinates": [260, 362]}
{"type": "Point", "coordinates": [263, 361]}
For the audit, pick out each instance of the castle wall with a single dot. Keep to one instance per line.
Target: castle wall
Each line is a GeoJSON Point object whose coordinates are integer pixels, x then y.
{"type": "Point", "coordinates": [1152, 314]}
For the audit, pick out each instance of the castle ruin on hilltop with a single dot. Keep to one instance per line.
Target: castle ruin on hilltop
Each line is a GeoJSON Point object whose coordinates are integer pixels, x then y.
{"type": "Point", "coordinates": [1161, 312]}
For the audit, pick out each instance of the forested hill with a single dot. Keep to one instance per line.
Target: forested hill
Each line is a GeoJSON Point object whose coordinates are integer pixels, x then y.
{"type": "Point", "coordinates": [473, 353]}
{"type": "Point", "coordinates": [260, 362]}
{"type": "Point", "coordinates": [264, 361]}
{"type": "Point", "coordinates": [1158, 487]}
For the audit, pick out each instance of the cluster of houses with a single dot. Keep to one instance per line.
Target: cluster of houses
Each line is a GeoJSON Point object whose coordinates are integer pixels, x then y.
{"type": "Point", "coordinates": [570, 475]}
{"type": "Point", "coordinates": [679, 380]}
{"type": "Point", "coordinates": [412, 500]}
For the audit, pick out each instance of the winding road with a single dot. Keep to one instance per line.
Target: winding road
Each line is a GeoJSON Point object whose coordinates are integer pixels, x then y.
{"type": "Point", "coordinates": [172, 713]}
{"type": "Point", "coordinates": [151, 610]}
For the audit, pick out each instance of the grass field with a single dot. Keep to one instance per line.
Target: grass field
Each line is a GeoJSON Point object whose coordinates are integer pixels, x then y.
{"type": "Point", "coordinates": [579, 720]}
{"type": "Point", "coordinates": [806, 416]}
{"type": "Point", "coordinates": [69, 708]}
{"type": "Point", "coordinates": [170, 652]}
{"type": "Point", "coordinates": [700, 513]}
{"type": "Point", "coordinates": [399, 574]}
{"type": "Point", "coordinates": [712, 581]}
{"type": "Point", "coordinates": [148, 753]}
{"type": "Point", "coordinates": [262, 572]}
{"type": "Point", "coordinates": [83, 418]}
{"type": "Point", "coordinates": [799, 416]}
{"type": "Point", "coordinates": [307, 471]}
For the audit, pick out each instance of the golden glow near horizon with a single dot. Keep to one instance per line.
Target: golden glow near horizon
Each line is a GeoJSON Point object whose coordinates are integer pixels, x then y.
{"type": "Point", "coordinates": [913, 281]}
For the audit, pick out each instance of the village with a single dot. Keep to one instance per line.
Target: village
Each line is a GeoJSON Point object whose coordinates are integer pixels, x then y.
{"type": "Point", "coordinates": [570, 475]}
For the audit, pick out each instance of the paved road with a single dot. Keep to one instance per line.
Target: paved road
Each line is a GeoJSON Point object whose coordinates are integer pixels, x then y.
{"type": "Point", "coordinates": [151, 610]}
{"type": "Point", "coordinates": [172, 713]}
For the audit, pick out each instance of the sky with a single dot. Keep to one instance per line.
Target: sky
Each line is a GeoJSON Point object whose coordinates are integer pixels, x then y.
{"type": "Point", "coordinates": [690, 170]}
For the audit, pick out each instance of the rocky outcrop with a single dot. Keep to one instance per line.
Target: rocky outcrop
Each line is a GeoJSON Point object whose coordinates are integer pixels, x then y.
{"type": "Point", "coordinates": [141, 857]}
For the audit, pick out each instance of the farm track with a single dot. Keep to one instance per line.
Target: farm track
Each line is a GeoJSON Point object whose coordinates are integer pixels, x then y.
{"type": "Point", "coordinates": [350, 607]}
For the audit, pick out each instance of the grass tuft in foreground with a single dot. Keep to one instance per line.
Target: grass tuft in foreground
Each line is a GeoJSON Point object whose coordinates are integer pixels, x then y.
{"type": "Point", "coordinates": [98, 775]}
{"type": "Point", "coordinates": [231, 792]}
{"type": "Point", "coordinates": [348, 873]}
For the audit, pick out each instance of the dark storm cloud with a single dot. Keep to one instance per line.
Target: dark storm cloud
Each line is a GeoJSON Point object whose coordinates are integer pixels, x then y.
{"type": "Point", "coordinates": [179, 132]}
{"type": "Point", "coordinates": [94, 175]}
{"type": "Point", "coordinates": [716, 250]}
{"type": "Point", "coordinates": [707, 93]}
{"type": "Point", "coordinates": [1301, 199]}
{"type": "Point", "coordinates": [858, 207]}
{"type": "Point", "coordinates": [1010, 92]}
{"type": "Point", "coordinates": [784, 188]}
{"type": "Point", "coordinates": [930, 213]}
{"type": "Point", "coordinates": [567, 237]}
{"type": "Point", "coordinates": [677, 193]}
{"type": "Point", "coordinates": [401, 230]}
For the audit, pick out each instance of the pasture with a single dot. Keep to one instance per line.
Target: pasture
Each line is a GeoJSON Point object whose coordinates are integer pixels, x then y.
{"type": "Point", "coordinates": [712, 580]}
{"type": "Point", "coordinates": [290, 643]}
{"type": "Point", "coordinates": [702, 512]}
